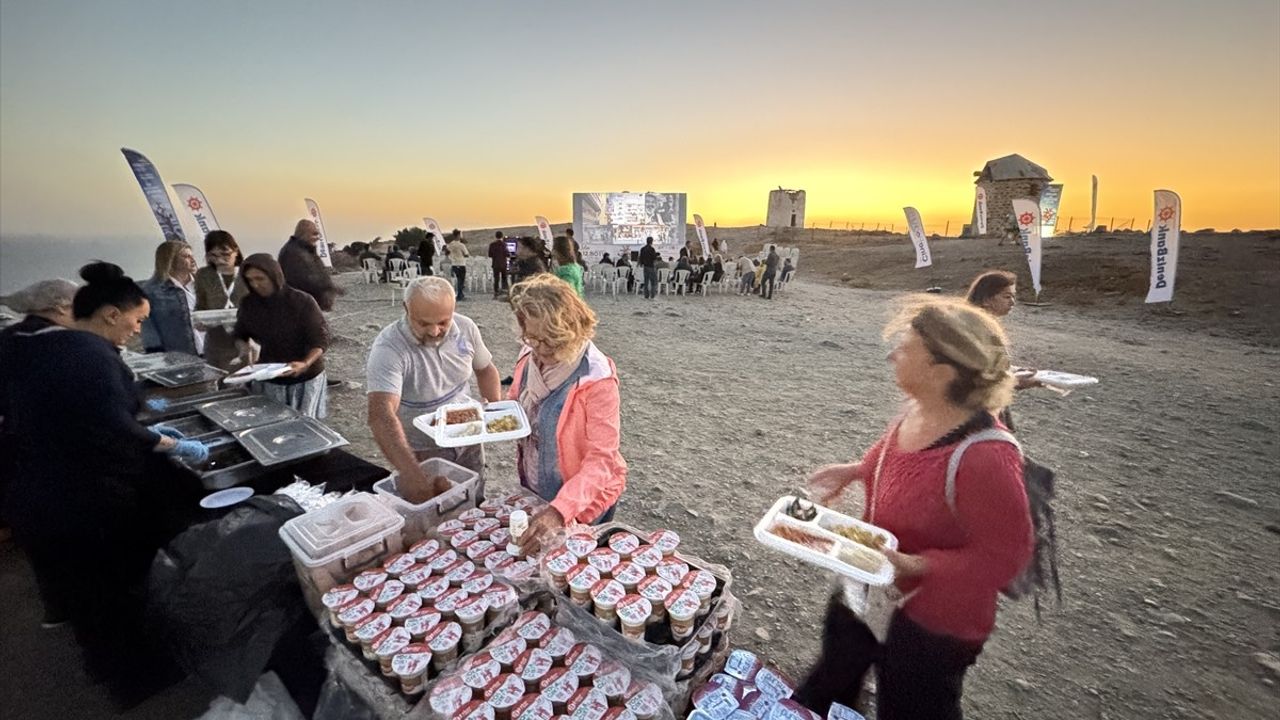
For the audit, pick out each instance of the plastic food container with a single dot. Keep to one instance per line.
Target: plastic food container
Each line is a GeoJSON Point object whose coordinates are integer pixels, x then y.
{"type": "Point", "coordinates": [352, 613]}
{"type": "Point", "coordinates": [588, 704]}
{"type": "Point", "coordinates": [449, 695]}
{"type": "Point", "coordinates": [330, 545]}
{"type": "Point", "coordinates": [390, 645]}
{"type": "Point", "coordinates": [463, 540]}
{"type": "Point", "coordinates": [421, 622]}
{"type": "Point", "coordinates": [411, 666]}
{"type": "Point", "coordinates": [644, 699]}
{"type": "Point", "coordinates": [404, 606]}
{"type": "Point", "coordinates": [503, 694]}
{"type": "Point", "coordinates": [369, 579]}
{"type": "Point", "coordinates": [682, 608]}
{"type": "Point", "coordinates": [559, 686]}
{"type": "Point", "coordinates": [434, 426]}
{"type": "Point", "coordinates": [703, 584]}
{"type": "Point", "coordinates": [647, 557]}
{"type": "Point", "coordinates": [634, 611]}
{"type": "Point", "coordinates": [449, 528]}
{"type": "Point", "coordinates": [486, 526]}
{"type": "Point", "coordinates": [673, 570]}
{"type": "Point", "coordinates": [581, 544]}
{"type": "Point", "coordinates": [557, 642]}
{"type": "Point", "coordinates": [583, 660]}
{"type": "Point", "coordinates": [558, 563]}
{"type": "Point", "coordinates": [612, 679]}
{"type": "Point", "coordinates": [605, 595]}
{"type": "Point", "coordinates": [718, 701]}
{"type": "Point", "coordinates": [619, 713]}
{"type": "Point", "coordinates": [472, 516]}
{"type": "Point", "coordinates": [498, 562]}
{"type": "Point", "coordinates": [387, 592]}
{"type": "Point", "coordinates": [624, 543]}
{"type": "Point", "coordinates": [665, 540]}
{"type": "Point", "coordinates": [532, 666]}
{"type": "Point", "coordinates": [533, 626]}
{"type": "Point", "coordinates": [397, 565]}
{"type": "Point", "coordinates": [582, 578]}
{"type": "Point", "coordinates": [789, 709]}
{"type": "Point", "coordinates": [335, 598]}
{"type": "Point", "coordinates": [655, 590]}
{"type": "Point", "coordinates": [500, 538]}
{"type": "Point", "coordinates": [604, 560]}
{"type": "Point", "coordinates": [443, 640]}
{"type": "Point", "coordinates": [533, 707]}
{"type": "Point", "coordinates": [831, 551]}
{"type": "Point", "coordinates": [704, 636]}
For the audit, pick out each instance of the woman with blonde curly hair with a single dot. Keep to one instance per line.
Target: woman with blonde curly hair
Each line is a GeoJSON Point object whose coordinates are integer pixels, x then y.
{"type": "Point", "coordinates": [569, 390]}
{"type": "Point", "coordinates": [959, 543]}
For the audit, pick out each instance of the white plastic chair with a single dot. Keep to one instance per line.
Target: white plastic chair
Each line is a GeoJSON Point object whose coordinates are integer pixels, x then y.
{"type": "Point", "coordinates": [682, 279]}
{"type": "Point", "coordinates": [371, 271]}
{"type": "Point", "coordinates": [396, 269]}
{"type": "Point", "coordinates": [619, 280]}
{"type": "Point", "coordinates": [664, 280]}
{"type": "Point", "coordinates": [705, 284]}
{"type": "Point", "coordinates": [412, 270]}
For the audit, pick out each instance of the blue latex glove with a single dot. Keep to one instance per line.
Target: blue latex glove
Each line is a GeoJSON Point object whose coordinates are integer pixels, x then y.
{"type": "Point", "coordinates": [192, 452]}
{"type": "Point", "coordinates": [157, 404]}
{"type": "Point", "coordinates": [169, 432]}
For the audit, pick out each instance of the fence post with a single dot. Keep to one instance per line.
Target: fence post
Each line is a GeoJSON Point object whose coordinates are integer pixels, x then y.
{"type": "Point", "coordinates": [947, 232]}
{"type": "Point", "coordinates": [877, 227]}
{"type": "Point", "coordinates": [1113, 223]}
{"type": "Point", "coordinates": [1070, 220]}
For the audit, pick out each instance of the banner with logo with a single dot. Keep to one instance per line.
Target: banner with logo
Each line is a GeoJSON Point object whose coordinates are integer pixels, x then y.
{"type": "Point", "coordinates": [544, 230]}
{"type": "Point", "coordinates": [1166, 229]}
{"type": "Point", "coordinates": [157, 196]}
{"type": "Point", "coordinates": [921, 243]}
{"type": "Point", "coordinates": [980, 211]}
{"type": "Point", "coordinates": [433, 227]}
{"type": "Point", "coordinates": [1027, 212]}
{"type": "Point", "coordinates": [190, 197]}
{"type": "Point", "coordinates": [322, 247]}
{"type": "Point", "coordinates": [1050, 198]}
{"type": "Point", "coordinates": [700, 228]}
{"type": "Point", "coordinates": [1093, 206]}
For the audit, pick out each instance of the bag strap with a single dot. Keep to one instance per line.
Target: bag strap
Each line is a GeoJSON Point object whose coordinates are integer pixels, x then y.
{"type": "Point", "coordinates": [953, 464]}
{"type": "Point", "coordinates": [875, 479]}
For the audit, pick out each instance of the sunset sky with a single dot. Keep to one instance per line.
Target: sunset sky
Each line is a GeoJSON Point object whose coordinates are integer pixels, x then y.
{"type": "Point", "coordinates": [484, 114]}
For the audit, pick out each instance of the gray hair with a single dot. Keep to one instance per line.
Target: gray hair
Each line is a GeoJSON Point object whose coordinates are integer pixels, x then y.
{"type": "Point", "coordinates": [44, 296]}
{"type": "Point", "coordinates": [430, 287]}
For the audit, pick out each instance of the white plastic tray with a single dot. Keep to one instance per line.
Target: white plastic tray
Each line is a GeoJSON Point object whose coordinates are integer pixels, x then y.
{"type": "Point", "coordinates": [1066, 381]}
{"type": "Point", "coordinates": [260, 372]}
{"type": "Point", "coordinates": [818, 527]}
{"type": "Point", "coordinates": [431, 424]}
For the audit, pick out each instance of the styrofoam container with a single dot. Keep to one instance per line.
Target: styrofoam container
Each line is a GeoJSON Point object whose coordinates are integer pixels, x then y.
{"type": "Point", "coordinates": [821, 526]}
{"type": "Point", "coordinates": [332, 544]}
{"type": "Point", "coordinates": [475, 433]}
{"type": "Point", "coordinates": [421, 518]}
{"type": "Point", "coordinates": [1064, 380]}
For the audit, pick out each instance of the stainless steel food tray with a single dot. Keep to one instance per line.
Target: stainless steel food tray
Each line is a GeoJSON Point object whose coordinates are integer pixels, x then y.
{"type": "Point", "coordinates": [183, 376]}
{"type": "Point", "coordinates": [248, 411]}
{"type": "Point", "coordinates": [289, 440]}
{"type": "Point", "coordinates": [141, 363]}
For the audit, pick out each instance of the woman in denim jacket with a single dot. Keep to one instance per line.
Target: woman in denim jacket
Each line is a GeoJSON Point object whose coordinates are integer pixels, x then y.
{"type": "Point", "coordinates": [172, 294]}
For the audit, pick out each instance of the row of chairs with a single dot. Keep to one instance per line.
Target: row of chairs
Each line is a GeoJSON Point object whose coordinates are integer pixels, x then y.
{"type": "Point", "coordinates": [613, 281]}
{"type": "Point", "coordinates": [371, 270]}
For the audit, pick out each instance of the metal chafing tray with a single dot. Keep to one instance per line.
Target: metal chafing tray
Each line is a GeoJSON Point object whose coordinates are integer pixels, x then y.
{"type": "Point", "coordinates": [289, 440]}
{"type": "Point", "coordinates": [141, 363]}
{"type": "Point", "coordinates": [193, 426]}
{"type": "Point", "coordinates": [183, 376]}
{"type": "Point", "coordinates": [247, 411]}
{"type": "Point", "coordinates": [229, 464]}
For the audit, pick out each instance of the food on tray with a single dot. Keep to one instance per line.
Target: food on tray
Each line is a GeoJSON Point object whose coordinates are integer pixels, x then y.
{"type": "Point", "coordinates": [862, 557]}
{"type": "Point", "coordinates": [862, 536]}
{"type": "Point", "coordinates": [801, 537]}
{"type": "Point", "coordinates": [802, 509]}
{"type": "Point", "coordinates": [506, 423]}
{"type": "Point", "coordinates": [461, 415]}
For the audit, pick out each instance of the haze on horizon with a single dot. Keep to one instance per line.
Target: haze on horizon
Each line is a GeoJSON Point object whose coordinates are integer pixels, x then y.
{"type": "Point", "coordinates": [483, 115]}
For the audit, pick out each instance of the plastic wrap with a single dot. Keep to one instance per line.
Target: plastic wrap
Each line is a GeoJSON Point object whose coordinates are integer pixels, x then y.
{"type": "Point", "coordinates": [268, 701]}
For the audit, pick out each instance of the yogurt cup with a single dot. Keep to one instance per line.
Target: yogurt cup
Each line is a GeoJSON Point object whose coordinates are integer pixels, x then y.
{"type": "Point", "coordinates": [718, 701]}
{"type": "Point", "coordinates": [448, 603]}
{"type": "Point", "coordinates": [587, 704]}
{"type": "Point", "coordinates": [624, 543]}
{"type": "Point", "coordinates": [613, 678]}
{"type": "Point", "coordinates": [644, 699]}
{"type": "Point", "coordinates": [424, 549]}
{"type": "Point", "coordinates": [507, 648]}
{"type": "Point", "coordinates": [558, 563]}
{"type": "Point", "coordinates": [443, 559]}
{"type": "Point", "coordinates": [503, 694]}
{"type": "Point", "coordinates": [532, 666]}
{"type": "Point", "coordinates": [501, 600]}
{"type": "Point", "coordinates": [583, 660]}
{"type": "Point", "coordinates": [604, 560]}
{"type": "Point", "coordinates": [703, 583]}
{"type": "Point", "coordinates": [581, 579]}
{"type": "Point", "coordinates": [559, 686]}
{"type": "Point", "coordinates": [352, 613]}
{"type": "Point", "coordinates": [388, 591]}
{"type": "Point", "coordinates": [706, 632]}
{"type": "Point", "coordinates": [498, 562]}
{"type": "Point", "coordinates": [689, 657]}
{"type": "Point", "coordinates": [411, 666]}
{"type": "Point", "coordinates": [634, 612]}
{"type": "Point", "coordinates": [470, 613]}
{"type": "Point", "coordinates": [557, 642]}
{"type": "Point", "coordinates": [415, 576]}
{"type": "Point", "coordinates": [756, 703]}
{"type": "Point", "coordinates": [774, 684]}
{"type": "Point", "coordinates": [369, 629]}
{"type": "Point", "coordinates": [526, 503]}
{"type": "Point", "coordinates": [532, 626]}
{"type": "Point", "coordinates": [479, 670]}
{"type": "Point", "coordinates": [449, 695]}
{"type": "Point", "coordinates": [503, 514]}
{"type": "Point", "coordinates": [647, 557]}
{"type": "Point", "coordinates": [433, 588]}
{"type": "Point", "coordinates": [390, 645]}
{"type": "Point", "coordinates": [490, 506]}
{"type": "Point", "coordinates": [420, 623]}
{"type": "Point", "coordinates": [475, 710]}
{"type": "Point", "coordinates": [500, 537]}
{"type": "Point", "coordinates": [480, 549]}
{"type": "Point", "coordinates": [581, 543]}
{"type": "Point", "coordinates": [605, 595]}
{"type": "Point", "coordinates": [398, 564]}
{"type": "Point", "coordinates": [682, 608]}
{"type": "Point", "coordinates": [335, 598]}
{"type": "Point", "coordinates": [459, 572]}
{"type": "Point", "coordinates": [443, 640]}
{"type": "Point", "coordinates": [655, 590]}
{"type": "Point", "coordinates": [533, 707]}
{"type": "Point", "coordinates": [743, 665]}
{"type": "Point", "coordinates": [673, 570]}
{"type": "Point", "coordinates": [449, 528]}
{"type": "Point", "coordinates": [463, 539]}
{"type": "Point", "coordinates": [470, 517]}
{"type": "Point", "coordinates": [369, 579]}
{"type": "Point", "coordinates": [788, 709]}
{"type": "Point", "coordinates": [404, 606]}
{"type": "Point", "coordinates": [520, 570]}
{"type": "Point", "coordinates": [619, 713]}
{"type": "Point", "coordinates": [665, 540]}
{"type": "Point", "coordinates": [486, 525]}
{"type": "Point", "coordinates": [478, 582]}
{"type": "Point", "coordinates": [629, 574]}
{"type": "Point", "coordinates": [724, 614]}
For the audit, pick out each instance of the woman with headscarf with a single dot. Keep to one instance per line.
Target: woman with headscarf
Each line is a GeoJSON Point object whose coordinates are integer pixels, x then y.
{"type": "Point", "coordinates": [219, 287]}
{"type": "Point", "coordinates": [289, 326]}
{"type": "Point", "coordinates": [959, 542]}
{"type": "Point", "coordinates": [171, 291]}
{"type": "Point", "coordinates": [569, 390]}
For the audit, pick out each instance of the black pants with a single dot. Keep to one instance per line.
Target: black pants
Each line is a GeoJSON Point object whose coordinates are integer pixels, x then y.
{"type": "Point", "coordinates": [499, 280]}
{"type": "Point", "coordinates": [767, 280]}
{"type": "Point", "coordinates": [460, 273]}
{"type": "Point", "coordinates": [650, 282]}
{"type": "Point", "coordinates": [919, 675]}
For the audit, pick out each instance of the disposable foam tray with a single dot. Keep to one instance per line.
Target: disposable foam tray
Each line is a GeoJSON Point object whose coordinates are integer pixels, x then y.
{"type": "Point", "coordinates": [822, 526]}
{"type": "Point", "coordinates": [1064, 380]}
{"type": "Point", "coordinates": [474, 433]}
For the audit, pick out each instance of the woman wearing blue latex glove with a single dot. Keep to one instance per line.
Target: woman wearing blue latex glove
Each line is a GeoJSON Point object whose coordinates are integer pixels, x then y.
{"type": "Point", "coordinates": [192, 452]}
{"type": "Point", "coordinates": [169, 432]}
{"type": "Point", "coordinates": [157, 404]}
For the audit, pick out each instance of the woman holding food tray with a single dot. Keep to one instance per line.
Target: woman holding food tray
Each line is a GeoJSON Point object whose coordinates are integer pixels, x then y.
{"type": "Point", "coordinates": [569, 390]}
{"type": "Point", "coordinates": [955, 551]}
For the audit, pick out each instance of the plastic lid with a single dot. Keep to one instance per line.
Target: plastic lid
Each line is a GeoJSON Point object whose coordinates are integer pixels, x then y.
{"type": "Point", "coordinates": [774, 684]}
{"type": "Point", "coordinates": [371, 627]}
{"type": "Point", "coordinates": [581, 543]}
{"type": "Point", "coordinates": [474, 710]}
{"type": "Point", "coordinates": [338, 596]}
{"type": "Point", "coordinates": [498, 561]}
{"type": "Point", "coordinates": [500, 596]}
{"type": "Point", "coordinates": [479, 549]}
{"type": "Point", "coordinates": [624, 543]}
{"type": "Point", "coordinates": [463, 539]}
{"type": "Point", "coordinates": [533, 664]}
{"type": "Point", "coordinates": [701, 582]}
{"type": "Point", "coordinates": [418, 623]}
{"type": "Point", "coordinates": [506, 649]}
{"type": "Point", "coordinates": [558, 641]}
{"type": "Point", "coordinates": [449, 694]}
{"type": "Point", "coordinates": [683, 605]}
{"type": "Point", "coordinates": [445, 558]}
{"type": "Point", "coordinates": [533, 625]}
{"type": "Point", "coordinates": [647, 556]}
{"type": "Point", "coordinates": [673, 570]}
{"type": "Point", "coordinates": [450, 601]}
{"type": "Point", "coordinates": [369, 579]}
{"type": "Point", "coordinates": [560, 561]}
{"type": "Point", "coordinates": [613, 678]}
{"type": "Point", "coordinates": [472, 609]}
{"type": "Point", "coordinates": [413, 660]}
{"type": "Point", "coordinates": [479, 670]}
{"type": "Point", "coordinates": [416, 575]}
{"type": "Point", "coordinates": [484, 526]}
{"type": "Point", "coordinates": [395, 641]}
{"type": "Point", "coordinates": [424, 549]}
{"type": "Point", "coordinates": [533, 707]}
{"type": "Point", "coordinates": [604, 560]}
{"type": "Point", "coordinates": [500, 537]}
{"type": "Point", "coordinates": [644, 698]}
{"type": "Point", "coordinates": [434, 587]}
{"type": "Point", "coordinates": [355, 611]}
{"type": "Point", "coordinates": [743, 665]}
{"type": "Point", "coordinates": [583, 577]}
{"type": "Point", "coordinates": [350, 523]}
{"type": "Point", "coordinates": [505, 691]}
{"type": "Point", "coordinates": [389, 591]}
{"type": "Point", "coordinates": [628, 573]}
{"type": "Point", "coordinates": [404, 606]}
{"type": "Point", "coordinates": [588, 704]}
{"type": "Point", "coordinates": [444, 637]}
{"type": "Point", "coordinates": [665, 540]}
{"type": "Point", "coordinates": [634, 610]}
{"type": "Point", "coordinates": [607, 593]}
{"type": "Point", "coordinates": [559, 685]}
{"type": "Point", "coordinates": [460, 571]}
{"type": "Point", "coordinates": [584, 659]}
{"type": "Point", "coordinates": [655, 589]}
{"type": "Point", "coordinates": [398, 564]}
{"type": "Point", "coordinates": [478, 582]}
{"type": "Point", "coordinates": [619, 713]}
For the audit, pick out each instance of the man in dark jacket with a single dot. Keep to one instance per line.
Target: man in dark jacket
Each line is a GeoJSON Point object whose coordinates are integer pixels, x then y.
{"type": "Point", "coordinates": [770, 273]}
{"type": "Point", "coordinates": [649, 261]}
{"type": "Point", "coordinates": [303, 269]}
{"type": "Point", "coordinates": [498, 259]}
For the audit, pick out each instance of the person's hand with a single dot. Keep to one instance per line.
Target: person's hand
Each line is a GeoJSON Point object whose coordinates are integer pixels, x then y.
{"type": "Point", "coordinates": [169, 432]}
{"type": "Point", "coordinates": [192, 452]}
{"type": "Point", "coordinates": [906, 566]}
{"type": "Point", "coordinates": [541, 528]}
{"type": "Point", "coordinates": [415, 487]}
{"type": "Point", "coordinates": [1024, 378]}
{"type": "Point", "coordinates": [296, 368]}
{"type": "Point", "coordinates": [157, 404]}
{"type": "Point", "coordinates": [827, 482]}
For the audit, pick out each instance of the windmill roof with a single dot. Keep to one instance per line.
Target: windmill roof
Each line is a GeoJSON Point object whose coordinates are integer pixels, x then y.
{"type": "Point", "coordinates": [1013, 167]}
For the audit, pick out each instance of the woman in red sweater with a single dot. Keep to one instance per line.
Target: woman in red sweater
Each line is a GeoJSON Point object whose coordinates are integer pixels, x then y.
{"type": "Point", "coordinates": [952, 362]}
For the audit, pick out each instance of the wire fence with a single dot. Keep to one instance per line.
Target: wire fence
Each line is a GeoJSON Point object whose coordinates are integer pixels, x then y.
{"type": "Point", "coordinates": [954, 228]}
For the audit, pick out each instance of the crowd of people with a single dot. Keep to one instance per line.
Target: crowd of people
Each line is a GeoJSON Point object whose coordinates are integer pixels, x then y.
{"type": "Point", "coordinates": [90, 476]}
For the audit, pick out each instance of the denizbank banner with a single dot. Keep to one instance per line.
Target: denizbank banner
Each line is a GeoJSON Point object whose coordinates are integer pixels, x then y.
{"type": "Point", "coordinates": [1050, 198]}
{"type": "Point", "coordinates": [157, 196]}
{"type": "Point", "coordinates": [980, 210]}
{"type": "Point", "coordinates": [322, 247]}
{"type": "Point", "coordinates": [1165, 231]}
{"type": "Point", "coordinates": [701, 229]}
{"type": "Point", "coordinates": [1027, 212]}
{"type": "Point", "coordinates": [190, 197]}
{"type": "Point", "coordinates": [544, 230]}
{"type": "Point", "coordinates": [921, 243]}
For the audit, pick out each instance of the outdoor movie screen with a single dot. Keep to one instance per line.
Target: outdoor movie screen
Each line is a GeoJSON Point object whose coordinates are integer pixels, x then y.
{"type": "Point", "coordinates": [620, 222]}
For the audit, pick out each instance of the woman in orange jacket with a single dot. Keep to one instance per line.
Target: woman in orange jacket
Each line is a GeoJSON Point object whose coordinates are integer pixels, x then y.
{"type": "Point", "coordinates": [569, 390]}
